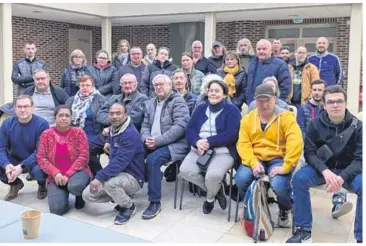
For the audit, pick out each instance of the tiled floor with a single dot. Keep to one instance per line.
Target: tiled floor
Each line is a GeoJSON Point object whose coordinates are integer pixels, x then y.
{"type": "Point", "coordinates": [190, 225]}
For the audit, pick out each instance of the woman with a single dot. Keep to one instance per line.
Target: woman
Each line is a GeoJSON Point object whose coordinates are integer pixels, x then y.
{"type": "Point", "coordinates": [85, 106]}
{"type": "Point", "coordinates": [204, 90]}
{"type": "Point", "coordinates": [121, 57]}
{"type": "Point", "coordinates": [63, 155]}
{"type": "Point", "coordinates": [214, 125]}
{"type": "Point", "coordinates": [246, 52]}
{"type": "Point", "coordinates": [72, 74]}
{"type": "Point", "coordinates": [194, 77]}
{"type": "Point", "coordinates": [218, 51]}
{"type": "Point", "coordinates": [104, 75]}
{"type": "Point", "coordinates": [159, 66]}
{"type": "Point", "coordinates": [235, 77]}
{"type": "Point", "coordinates": [181, 85]}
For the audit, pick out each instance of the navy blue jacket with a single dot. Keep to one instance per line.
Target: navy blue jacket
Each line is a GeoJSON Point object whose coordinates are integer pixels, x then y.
{"type": "Point", "coordinates": [305, 114]}
{"type": "Point", "coordinates": [190, 99]}
{"type": "Point", "coordinates": [128, 68]}
{"type": "Point", "coordinates": [205, 66]}
{"type": "Point", "coordinates": [66, 83]}
{"type": "Point", "coordinates": [273, 66]}
{"type": "Point", "coordinates": [23, 69]}
{"type": "Point", "coordinates": [127, 155]}
{"type": "Point", "coordinates": [105, 79]}
{"type": "Point", "coordinates": [227, 127]}
{"type": "Point", "coordinates": [216, 61]}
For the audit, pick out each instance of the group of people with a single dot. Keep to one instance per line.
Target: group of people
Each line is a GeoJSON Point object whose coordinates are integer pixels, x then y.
{"type": "Point", "coordinates": [146, 112]}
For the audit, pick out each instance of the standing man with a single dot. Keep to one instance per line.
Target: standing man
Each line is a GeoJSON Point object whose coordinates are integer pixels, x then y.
{"type": "Point", "coordinates": [150, 54]}
{"type": "Point", "coordinates": [276, 46]}
{"type": "Point", "coordinates": [200, 62]}
{"type": "Point", "coordinates": [23, 69]}
{"type": "Point", "coordinates": [285, 54]}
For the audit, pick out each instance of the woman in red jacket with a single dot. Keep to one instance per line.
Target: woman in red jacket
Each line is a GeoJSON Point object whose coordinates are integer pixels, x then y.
{"type": "Point", "coordinates": [63, 154]}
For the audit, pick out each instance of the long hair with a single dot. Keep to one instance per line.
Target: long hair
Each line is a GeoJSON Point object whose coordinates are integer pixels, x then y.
{"type": "Point", "coordinates": [118, 50]}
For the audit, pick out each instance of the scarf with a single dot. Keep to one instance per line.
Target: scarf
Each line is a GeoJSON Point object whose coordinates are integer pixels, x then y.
{"type": "Point", "coordinates": [218, 106]}
{"type": "Point", "coordinates": [79, 107]}
{"type": "Point", "coordinates": [230, 78]}
{"type": "Point", "coordinates": [76, 72]}
{"type": "Point", "coordinates": [123, 58]}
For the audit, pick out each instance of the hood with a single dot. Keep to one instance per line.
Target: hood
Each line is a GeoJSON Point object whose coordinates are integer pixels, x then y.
{"type": "Point", "coordinates": [121, 129]}
{"type": "Point", "coordinates": [324, 119]}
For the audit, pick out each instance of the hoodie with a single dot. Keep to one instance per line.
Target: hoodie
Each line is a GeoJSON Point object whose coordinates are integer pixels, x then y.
{"type": "Point", "coordinates": [305, 114]}
{"type": "Point", "coordinates": [322, 129]}
{"type": "Point", "coordinates": [281, 138]}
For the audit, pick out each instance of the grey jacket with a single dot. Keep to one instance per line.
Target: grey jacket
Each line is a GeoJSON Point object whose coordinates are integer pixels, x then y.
{"type": "Point", "coordinates": [173, 122]}
{"type": "Point", "coordinates": [134, 104]}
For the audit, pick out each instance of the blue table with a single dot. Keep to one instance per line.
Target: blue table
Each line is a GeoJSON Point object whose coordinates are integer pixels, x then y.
{"type": "Point", "coordinates": [10, 213]}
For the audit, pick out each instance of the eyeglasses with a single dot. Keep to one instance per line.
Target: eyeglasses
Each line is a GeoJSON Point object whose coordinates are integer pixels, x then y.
{"type": "Point", "coordinates": [159, 85]}
{"type": "Point", "coordinates": [103, 58]}
{"type": "Point", "coordinates": [23, 107]}
{"type": "Point", "coordinates": [332, 102]}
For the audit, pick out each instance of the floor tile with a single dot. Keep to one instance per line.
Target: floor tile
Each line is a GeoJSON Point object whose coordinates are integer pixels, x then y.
{"type": "Point", "coordinates": [325, 223]}
{"type": "Point", "coordinates": [228, 238]}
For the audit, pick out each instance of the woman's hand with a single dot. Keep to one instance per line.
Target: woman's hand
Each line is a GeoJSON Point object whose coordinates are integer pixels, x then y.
{"type": "Point", "coordinates": [202, 146]}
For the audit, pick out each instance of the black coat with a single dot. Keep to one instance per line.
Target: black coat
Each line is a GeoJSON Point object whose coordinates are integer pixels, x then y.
{"type": "Point", "coordinates": [105, 79]}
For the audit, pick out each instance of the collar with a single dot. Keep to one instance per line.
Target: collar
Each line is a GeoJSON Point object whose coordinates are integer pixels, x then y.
{"type": "Point", "coordinates": [48, 92]}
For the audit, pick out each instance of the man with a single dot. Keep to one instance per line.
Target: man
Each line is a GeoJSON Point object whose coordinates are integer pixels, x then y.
{"type": "Point", "coordinates": [22, 74]}
{"type": "Point", "coordinates": [218, 51]}
{"type": "Point", "coordinates": [19, 137]}
{"type": "Point", "coordinates": [180, 81]}
{"type": "Point", "coordinates": [276, 46]}
{"type": "Point", "coordinates": [271, 144]}
{"type": "Point", "coordinates": [328, 64]}
{"type": "Point", "coordinates": [265, 65]}
{"type": "Point", "coordinates": [135, 66]}
{"type": "Point", "coordinates": [285, 54]}
{"type": "Point", "coordinates": [124, 174]}
{"type": "Point", "coordinates": [150, 54]}
{"type": "Point", "coordinates": [132, 100]}
{"type": "Point", "coordinates": [302, 74]}
{"type": "Point", "coordinates": [163, 133]}
{"type": "Point", "coordinates": [337, 162]}
{"type": "Point", "coordinates": [246, 52]}
{"type": "Point", "coordinates": [200, 62]}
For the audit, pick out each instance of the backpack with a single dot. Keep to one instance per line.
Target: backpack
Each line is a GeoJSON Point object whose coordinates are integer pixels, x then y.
{"type": "Point", "coordinates": [256, 217]}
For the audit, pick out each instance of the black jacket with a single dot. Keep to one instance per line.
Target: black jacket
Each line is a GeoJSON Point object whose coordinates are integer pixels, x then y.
{"type": "Point", "coordinates": [216, 61]}
{"type": "Point", "coordinates": [23, 69]}
{"type": "Point", "coordinates": [105, 79]}
{"type": "Point", "coordinates": [321, 129]}
{"type": "Point", "coordinates": [59, 95]}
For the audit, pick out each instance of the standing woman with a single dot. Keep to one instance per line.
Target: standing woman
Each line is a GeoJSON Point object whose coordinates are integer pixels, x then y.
{"type": "Point", "coordinates": [63, 155]}
{"type": "Point", "coordinates": [121, 57]}
{"type": "Point", "coordinates": [72, 74]}
{"type": "Point", "coordinates": [85, 106]}
{"type": "Point", "coordinates": [104, 75]}
{"type": "Point", "coordinates": [194, 77]}
{"type": "Point", "coordinates": [235, 77]}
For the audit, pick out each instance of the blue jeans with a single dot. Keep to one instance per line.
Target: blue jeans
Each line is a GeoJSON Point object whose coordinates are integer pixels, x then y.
{"type": "Point", "coordinates": [154, 161]}
{"type": "Point", "coordinates": [35, 172]}
{"type": "Point", "coordinates": [303, 180]}
{"type": "Point", "coordinates": [280, 183]}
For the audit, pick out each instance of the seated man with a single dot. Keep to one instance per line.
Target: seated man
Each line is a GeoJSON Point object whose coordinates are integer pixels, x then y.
{"type": "Point", "coordinates": [271, 144]}
{"type": "Point", "coordinates": [124, 174]}
{"type": "Point", "coordinates": [131, 98]}
{"type": "Point", "coordinates": [19, 137]}
{"type": "Point", "coordinates": [337, 162]}
{"type": "Point", "coordinates": [163, 133]}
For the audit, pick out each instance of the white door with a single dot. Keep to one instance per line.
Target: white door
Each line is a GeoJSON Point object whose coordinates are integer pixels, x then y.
{"type": "Point", "coordinates": [82, 40]}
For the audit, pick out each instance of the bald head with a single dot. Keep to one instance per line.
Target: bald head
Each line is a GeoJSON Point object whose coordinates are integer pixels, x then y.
{"type": "Point", "coordinates": [264, 49]}
{"type": "Point", "coordinates": [301, 54]}
{"type": "Point", "coordinates": [322, 45]}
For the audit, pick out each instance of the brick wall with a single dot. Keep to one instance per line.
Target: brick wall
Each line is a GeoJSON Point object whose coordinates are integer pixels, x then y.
{"type": "Point", "coordinates": [52, 42]}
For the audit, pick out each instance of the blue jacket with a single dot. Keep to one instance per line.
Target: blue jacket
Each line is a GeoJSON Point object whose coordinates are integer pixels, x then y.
{"type": "Point", "coordinates": [273, 66]}
{"type": "Point", "coordinates": [305, 114]}
{"type": "Point", "coordinates": [329, 66]}
{"type": "Point", "coordinates": [227, 127]}
{"type": "Point", "coordinates": [66, 82]}
{"type": "Point", "coordinates": [105, 79]}
{"type": "Point", "coordinates": [127, 155]}
{"type": "Point", "coordinates": [190, 99]}
{"type": "Point", "coordinates": [23, 69]}
{"type": "Point", "coordinates": [128, 68]}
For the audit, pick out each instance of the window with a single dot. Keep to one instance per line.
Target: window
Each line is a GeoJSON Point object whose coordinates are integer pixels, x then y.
{"type": "Point", "coordinates": [315, 32]}
{"type": "Point", "coordinates": [284, 33]}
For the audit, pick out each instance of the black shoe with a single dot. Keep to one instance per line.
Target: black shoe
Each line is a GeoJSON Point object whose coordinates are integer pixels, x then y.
{"type": "Point", "coordinates": [221, 198]}
{"type": "Point", "coordinates": [29, 177]}
{"type": "Point", "coordinates": [284, 218]}
{"type": "Point", "coordinates": [170, 174]}
{"type": "Point", "coordinates": [168, 170]}
{"type": "Point", "coordinates": [15, 187]}
{"type": "Point", "coordinates": [151, 211]}
{"type": "Point", "coordinates": [125, 215]}
{"type": "Point", "coordinates": [300, 236]}
{"type": "Point", "coordinates": [79, 202]}
{"type": "Point", "coordinates": [207, 207]}
{"type": "Point", "coordinates": [359, 241]}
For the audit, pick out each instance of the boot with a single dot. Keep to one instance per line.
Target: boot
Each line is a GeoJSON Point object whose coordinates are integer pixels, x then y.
{"type": "Point", "coordinates": [42, 192]}
{"type": "Point", "coordinates": [15, 187]}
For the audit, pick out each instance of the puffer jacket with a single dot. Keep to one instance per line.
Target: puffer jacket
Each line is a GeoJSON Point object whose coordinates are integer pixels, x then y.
{"type": "Point", "coordinates": [23, 69]}
{"type": "Point", "coordinates": [195, 79]}
{"type": "Point", "coordinates": [240, 85]}
{"type": "Point", "coordinates": [151, 71]}
{"type": "Point", "coordinates": [173, 122]}
{"type": "Point", "coordinates": [105, 79]}
{"type": "Point", "coordinates": [216, 61]}
{"type": "Point", "coordinates": [66, 82]}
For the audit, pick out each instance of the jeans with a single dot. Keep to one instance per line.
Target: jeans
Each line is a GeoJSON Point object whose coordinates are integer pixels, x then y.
{"type": "Point", "coordinates": [154, 161]}
{"type": "Point", "coordinates": [35, 172]}
{"type": "Point", "coordinates": [280, 183]}
{"type": "Point", "coordinates": [303, 180]}
{"type": "Point", "coordinates": [58, 196]}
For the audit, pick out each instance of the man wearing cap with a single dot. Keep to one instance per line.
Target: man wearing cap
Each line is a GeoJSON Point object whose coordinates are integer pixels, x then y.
{"type": "Point", "coordinates": [272, 145]}
{"type": "Point", "coordinates": [218, 51]}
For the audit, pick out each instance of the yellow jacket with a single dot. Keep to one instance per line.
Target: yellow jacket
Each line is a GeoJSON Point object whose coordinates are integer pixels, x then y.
{"type": "Point", "coordinates": [309, 74]}
{"type": "Point", "coordinates": [281, 138]}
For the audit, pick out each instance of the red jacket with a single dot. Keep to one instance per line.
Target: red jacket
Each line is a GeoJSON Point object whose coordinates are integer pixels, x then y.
{"type": "Point", "coordinates": [78, 150]}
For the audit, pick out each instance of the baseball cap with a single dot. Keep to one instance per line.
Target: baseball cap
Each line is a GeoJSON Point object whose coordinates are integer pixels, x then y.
{"type": "Point", "coordinates": [217, 43]}
{"type": "Point", "coordinates": [263, 91]}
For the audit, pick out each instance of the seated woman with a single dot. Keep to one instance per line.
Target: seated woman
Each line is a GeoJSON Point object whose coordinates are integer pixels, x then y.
{"type": "Point", "coordinates": [85, 106]}
{"type": "Point", "coordinates": [63, 155]}
{"type": "Point", "coordinates": [214, 125]}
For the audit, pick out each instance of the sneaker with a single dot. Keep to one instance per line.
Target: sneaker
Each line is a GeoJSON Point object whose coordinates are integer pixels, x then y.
{"type": "Point", "coordinates": [117, 208]}
{"type": "Point", "coordinates": [221, 198]}
{"type": "Point", "coordinates": [79, 202]}
{"type": "Point", "coordinates": [300, 236]}
{"type": "Point", "coordinates": [15, 187]}
{"type": "Point", "coordinates": [125, 215]}
{"type": "Point", "coordinates": [151, 211]}
{"type": "Point", "coordinates": [340, 209]}
{"type": "Point", "coordinates": [284, 220]}
{"type": "Point", "coordinates": [207, 207]}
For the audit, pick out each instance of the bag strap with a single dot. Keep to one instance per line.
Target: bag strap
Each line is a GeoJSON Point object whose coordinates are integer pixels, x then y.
{"type": "Point", "coordinates": [345, 135]}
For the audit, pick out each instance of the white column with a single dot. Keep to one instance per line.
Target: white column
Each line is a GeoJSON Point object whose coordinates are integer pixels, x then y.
{"type": "Point", "coordinates": [210, 32]}
{"type": "Point", "coordinates": [354, 58]}
{"type": "Point", "coordinates": [6, 54]}
{"type": "Point", "coordinates": [107, 35]}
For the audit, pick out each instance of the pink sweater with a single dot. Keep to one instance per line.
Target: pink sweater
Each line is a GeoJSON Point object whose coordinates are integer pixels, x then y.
{"type": "Point", "coordinates": [62, 157]}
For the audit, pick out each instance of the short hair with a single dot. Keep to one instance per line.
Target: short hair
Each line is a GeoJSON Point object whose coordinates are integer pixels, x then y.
{"type": "Point", "coordinates": [180, 70]}
{"type": "Point", "coordinates": [334, 89]}
{"type": "Point", "coordinates": [319, 82]}
{"type": "Point", "coordinates": [21, 97]}
{"type": "Point", "coordinates": [77, 52]}
{"type": "Point", "coordinates": [58, 108]}
{"type": "Point", "coordinates": [196, 42]}
{"type": "Point", "coordinates": [285, 48]}
{"type": "Point", "coordinates": [29, 42]}
{"type": "Point", "coordinates": [128, 74]}
{"type": "Point", "coordinates": [136, 47]}
{"type": "Point", "coordinates": [102, 51]}
{"type": "Point", "coordinates": [274, 79]}
{"type": "Point", "coordinates": [164, 48]}
{"type": "Point", "coordinates": [119, 104]}
{"type": "Point", "coordinates": [40, 70]}
{"type": "Point", "coordinates": [207, 79]}
{"type": "Point", "coordinates": [221, 83]}
{"type": "Point", "coordinates": [85, 78]}
{"type": "Point", "coordinates": [163, 76]}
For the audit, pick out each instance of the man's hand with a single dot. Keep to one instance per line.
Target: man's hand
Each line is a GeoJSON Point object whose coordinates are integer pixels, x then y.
{"type": "Point", "coordinates": [9, 170]}
{"type": "Point", "coordinates": [276, 170]}
{"type": "Point", "coordinates": [59, 179]}
{"type": "Point", "coordinates": [257, 169]}
{"type": "Point", "coordinates": [94, 186]}
{"type": "Point", "coordinates": [150, 143]}
{"type": "Point", "coordinates": [331, 181]}
{"type": "Point", "coordinates": [107, 148]}
{"type": "Point", "coordinates": [17, 170]}
{"type": "Point", "coordinates": [105, 132]}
